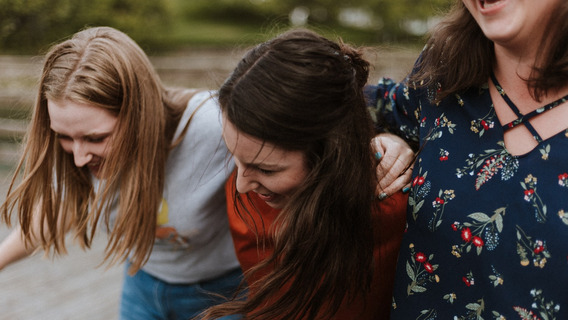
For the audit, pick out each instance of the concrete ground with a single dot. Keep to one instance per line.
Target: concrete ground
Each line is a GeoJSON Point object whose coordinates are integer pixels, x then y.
{"type": "Point", "coordinates": [69, 287]}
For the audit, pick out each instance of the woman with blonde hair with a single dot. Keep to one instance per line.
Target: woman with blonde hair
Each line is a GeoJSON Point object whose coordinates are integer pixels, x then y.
{"type": "Point", "coordinates": [108, 146]}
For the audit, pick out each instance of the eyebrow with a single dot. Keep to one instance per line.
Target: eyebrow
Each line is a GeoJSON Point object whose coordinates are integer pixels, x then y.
{"type": "Point", "coordinates": [94, 135]}
{"type": "Point", "coordinates": [266, 166]}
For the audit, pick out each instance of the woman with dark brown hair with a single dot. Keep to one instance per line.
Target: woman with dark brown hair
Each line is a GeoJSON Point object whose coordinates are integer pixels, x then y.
{"type": "Point", "coordinates": [310, 234]}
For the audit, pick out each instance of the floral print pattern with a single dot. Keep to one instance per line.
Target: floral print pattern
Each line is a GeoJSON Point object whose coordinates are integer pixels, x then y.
{"type": "Point", "coordinates": [488, 164]}
{"type": "Point", "coordinates": [481, 231]}
{"type": "Point", "coordinates": [486, 230]}
{"type": "Point", "coordinates": [531, 196]}
{"type": "Point", "coordinates": [420, 271]}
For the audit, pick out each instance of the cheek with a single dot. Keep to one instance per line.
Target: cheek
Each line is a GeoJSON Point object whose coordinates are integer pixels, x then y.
{"type": "Point", "coordinates": [292, 184]}
{"type": "Point", "coordinates": [105, 149]}
{"type": "Point", "coordinates": [470, 5]}
{"type": "Point", "coordinates": [101, 149]}
{"type": "Point", "coordinates": [295, 177]}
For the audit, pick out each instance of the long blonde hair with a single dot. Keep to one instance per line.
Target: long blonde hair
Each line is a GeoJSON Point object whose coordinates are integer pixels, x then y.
{"type": "Point", "coordinates": [101, 67]}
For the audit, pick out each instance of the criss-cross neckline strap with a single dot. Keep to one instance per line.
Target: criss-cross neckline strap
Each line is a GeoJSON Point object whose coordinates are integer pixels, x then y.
{"type": "Point", "coordinates": [524, 118]}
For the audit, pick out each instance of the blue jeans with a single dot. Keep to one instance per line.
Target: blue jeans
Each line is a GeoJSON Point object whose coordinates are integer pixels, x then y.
{"type": "Point", "coordinates": [145, 297]}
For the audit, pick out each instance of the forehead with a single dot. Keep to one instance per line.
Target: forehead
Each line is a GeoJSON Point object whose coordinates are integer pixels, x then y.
{"type": "Point", "coordinates": [242, 145]}
{"type": "Point", "coordinates": [250, 150]}
{"type": "Point", "coordinates": [72, 118]}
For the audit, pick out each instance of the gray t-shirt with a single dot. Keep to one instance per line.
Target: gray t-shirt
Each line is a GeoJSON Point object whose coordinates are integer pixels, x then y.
{"type": "Point", "coordinates": [193, 242]}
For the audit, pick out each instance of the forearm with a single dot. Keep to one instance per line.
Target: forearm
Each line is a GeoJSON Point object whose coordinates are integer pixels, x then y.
{"type": "Point", "coordinates": [13, 249]}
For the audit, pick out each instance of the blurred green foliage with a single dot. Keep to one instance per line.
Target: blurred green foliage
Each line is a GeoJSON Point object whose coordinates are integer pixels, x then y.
{"type": "Point", "coordinates": [30, 26]}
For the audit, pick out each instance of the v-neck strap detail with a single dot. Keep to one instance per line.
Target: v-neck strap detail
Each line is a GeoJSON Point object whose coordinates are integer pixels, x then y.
{"type": "Point", "coordinates": [524, 118]}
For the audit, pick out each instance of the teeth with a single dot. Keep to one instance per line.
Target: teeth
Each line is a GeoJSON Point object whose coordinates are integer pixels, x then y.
{"type": "Point", "coordinates": [488, 4]}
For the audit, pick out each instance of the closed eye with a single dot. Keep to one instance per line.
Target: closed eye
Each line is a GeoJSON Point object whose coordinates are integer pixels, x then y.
{"type": "Point", "coordinates": [90, 139]}
{"type": "Point", "coordinates": [267, 172]}
{"type": "Point", "coordinates": [267, 169]}
{"type": "Point", "coordinates": [95, 139]}
{"type": "Point", "coordinates": [60, 136]}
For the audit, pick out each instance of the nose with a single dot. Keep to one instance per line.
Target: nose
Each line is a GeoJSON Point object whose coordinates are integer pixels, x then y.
{"type": "Point", "coordinates": [245, 181]}
{"type": "Point", "coordinates": [81, 154]}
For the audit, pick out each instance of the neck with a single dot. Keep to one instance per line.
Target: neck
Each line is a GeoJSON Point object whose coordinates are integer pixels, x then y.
{"type": "Point", "coordinates": [511, 70]}
{"type": "Point", "coordinates": [513, 61]}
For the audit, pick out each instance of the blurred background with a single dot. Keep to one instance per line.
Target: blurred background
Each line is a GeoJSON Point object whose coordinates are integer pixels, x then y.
{"type": "Point", "coordinates": [27, 26]}
{"type": "Point", "coordinates": [192, 43]}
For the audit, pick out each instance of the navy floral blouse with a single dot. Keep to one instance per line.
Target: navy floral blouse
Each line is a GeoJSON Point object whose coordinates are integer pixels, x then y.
{"type": "Point", "coordinates": [487, 232]}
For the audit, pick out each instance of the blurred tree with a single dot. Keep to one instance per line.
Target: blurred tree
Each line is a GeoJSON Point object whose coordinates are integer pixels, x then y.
{"type": "Point", "coordinates": [321, 11]}
{"type": "Point", "coordinates": [237, 11]}
{"type": "Point", "coordinates": [402, 19]}
{"type": "Point", "coordinates": [28, 25]}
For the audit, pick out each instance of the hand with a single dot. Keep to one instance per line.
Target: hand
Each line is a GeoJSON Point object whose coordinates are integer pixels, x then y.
{"type": "Point", "coordinates": [396, 159]}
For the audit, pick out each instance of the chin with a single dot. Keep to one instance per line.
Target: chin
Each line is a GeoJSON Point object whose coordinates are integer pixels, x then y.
{"type": "Point", "coordinates": [95, 172]}
{"type": "Point", "coordinates": [275, 205]}
{"type": "Point", "coordinates": [279, 203]}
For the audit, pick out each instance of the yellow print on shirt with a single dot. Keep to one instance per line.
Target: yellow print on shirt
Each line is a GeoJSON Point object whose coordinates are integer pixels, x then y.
{"type": "Point", "coordinates": [168, 234]}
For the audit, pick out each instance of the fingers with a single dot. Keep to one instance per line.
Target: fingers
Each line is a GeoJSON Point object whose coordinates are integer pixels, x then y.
{"type": "Point", "coordinates": [393, 173]}
{"type": "Point", "coordinates": [393, 181]}
{"type": "Point", "coordinates": [395, 157]}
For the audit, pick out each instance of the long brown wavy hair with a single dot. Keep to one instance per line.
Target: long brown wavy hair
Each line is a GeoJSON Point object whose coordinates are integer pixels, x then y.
{"type": "Point", "coordinates": [303, 92]}
{"type": "Point", "coordinates": [458, 56]}
{"type": "Point", "coordinates": [101, 67]}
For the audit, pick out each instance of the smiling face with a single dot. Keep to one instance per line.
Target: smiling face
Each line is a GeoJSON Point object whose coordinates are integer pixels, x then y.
{"type": "Point", "coordinates": [272, 172]}
{"type": "Point", "coordinates": [82, 130]}
{"type": "Point", "coordinates": [512, 23]}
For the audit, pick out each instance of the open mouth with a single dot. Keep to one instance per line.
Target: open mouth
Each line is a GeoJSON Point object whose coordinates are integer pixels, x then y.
{"type": "Point", "coordinates": [94, 168]}
{"type": "Point", "coordinates": [94, 165]}
{"type": "Point", "coordinates": [486, 4]}
{"type": "Point", "coordinates": [268, 197]}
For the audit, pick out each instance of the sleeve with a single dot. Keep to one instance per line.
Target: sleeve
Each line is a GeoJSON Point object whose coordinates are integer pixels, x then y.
{"type": "Point", "coordinates": [389, 222]}
{"type": "Point", "coordinates": [396, 108]}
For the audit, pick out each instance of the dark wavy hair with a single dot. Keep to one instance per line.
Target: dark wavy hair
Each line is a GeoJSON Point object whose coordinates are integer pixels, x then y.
{"type": "Point", "coordinates": [458, 56]}
{"type": "Point", "coordinates": [303, 92]}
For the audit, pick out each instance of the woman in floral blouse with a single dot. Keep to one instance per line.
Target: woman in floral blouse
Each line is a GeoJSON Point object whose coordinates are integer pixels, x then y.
{"type": "Point", "coordinates": [488, 209]}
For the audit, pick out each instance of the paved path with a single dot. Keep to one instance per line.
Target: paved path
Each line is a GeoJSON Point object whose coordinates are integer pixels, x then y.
{"type": "Point", "coordinates": [72, 287]}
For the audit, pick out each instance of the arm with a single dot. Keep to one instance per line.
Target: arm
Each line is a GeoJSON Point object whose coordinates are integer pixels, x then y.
{"type": "Point", "coordinates": [13, 249]}
{"type": "Point", "coordinates": [394, 109]}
